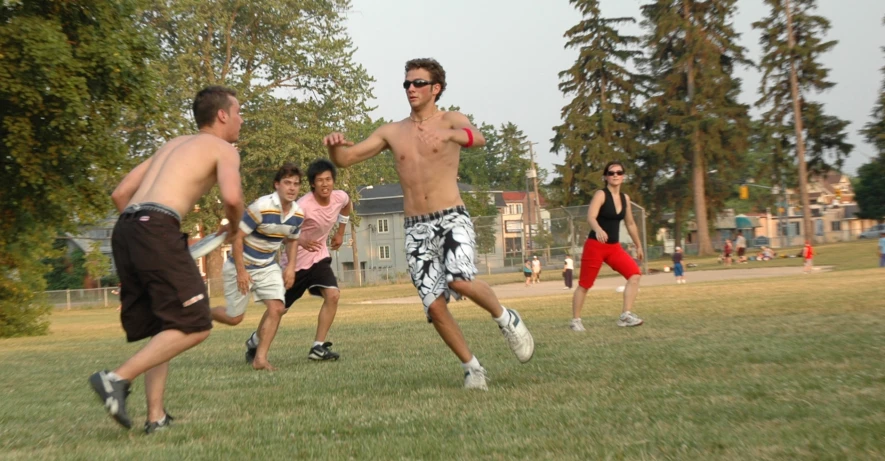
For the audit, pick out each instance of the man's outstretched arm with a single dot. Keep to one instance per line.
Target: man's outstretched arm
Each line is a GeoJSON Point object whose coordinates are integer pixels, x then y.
{"type": "Point", "coordinates": [344, 153]}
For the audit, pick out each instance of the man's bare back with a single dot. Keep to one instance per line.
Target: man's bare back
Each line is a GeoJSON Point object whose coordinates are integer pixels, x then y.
{"type": "Point", "coordinates": [182, 171]}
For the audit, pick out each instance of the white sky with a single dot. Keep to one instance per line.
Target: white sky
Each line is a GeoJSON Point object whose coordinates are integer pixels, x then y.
{"type": "Point", "coordinates": [503, 57]}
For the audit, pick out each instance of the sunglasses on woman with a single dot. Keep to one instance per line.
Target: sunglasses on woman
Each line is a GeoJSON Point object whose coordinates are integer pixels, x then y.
{"type": "Point", "coordinates": [419, 83]}
{"type": "Point", "coordinates": [615, 173]}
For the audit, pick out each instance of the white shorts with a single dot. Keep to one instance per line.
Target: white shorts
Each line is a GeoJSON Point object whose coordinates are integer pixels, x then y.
{"type": "Point", "coordinates": [267, 283]}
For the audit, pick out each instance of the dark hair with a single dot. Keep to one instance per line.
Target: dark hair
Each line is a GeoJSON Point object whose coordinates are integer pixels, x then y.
{"type": "Point", "coordinates": [611, 164]}
{"type": "Point", "coordinates": [319, 167]}
{"type": "Point", "coordinates": [437, 73]}
{"type": "Point", "coordinates": [288, 169]}
{"type": "Point", "coordinates": [209, 101]}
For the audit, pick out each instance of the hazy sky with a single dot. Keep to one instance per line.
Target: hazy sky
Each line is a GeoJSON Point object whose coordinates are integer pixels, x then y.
{"type": "Point", "coordinates": [503, 57]}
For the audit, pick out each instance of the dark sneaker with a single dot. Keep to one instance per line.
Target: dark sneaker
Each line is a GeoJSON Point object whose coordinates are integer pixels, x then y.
{"type": "Point", "coordinates": [151, 427]}
{"type": "Point", "coordinates": [250, 350]}
{"type": "Point", "coordinates": [113, 395]}
{"type": "Point", "coordinates": [323, 352]}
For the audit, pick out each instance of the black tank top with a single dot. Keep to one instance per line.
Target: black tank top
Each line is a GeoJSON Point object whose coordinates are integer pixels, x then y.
{"type": "Point", "coordinates": [608, 220]}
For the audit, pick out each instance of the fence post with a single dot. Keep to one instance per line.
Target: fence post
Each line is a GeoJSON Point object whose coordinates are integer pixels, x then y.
{"type": "Point", "coordinates": [105, 292]}
{"type": "Point", "coordinates": [209, 287]}
{"type": "Point", "coordinates": [68, 296]}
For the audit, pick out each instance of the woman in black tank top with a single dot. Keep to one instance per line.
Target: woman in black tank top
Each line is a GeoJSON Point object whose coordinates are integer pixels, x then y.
{"type": "Point", "coordinates": [607, 209]}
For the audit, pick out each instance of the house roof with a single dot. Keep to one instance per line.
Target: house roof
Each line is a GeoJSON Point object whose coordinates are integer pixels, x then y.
{"type": "Point", "coordinates": [388, 199]}
{"type": "Point", "coordinates": [519, 196]}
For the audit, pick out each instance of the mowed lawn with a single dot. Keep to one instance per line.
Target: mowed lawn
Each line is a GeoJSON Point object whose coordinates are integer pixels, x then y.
{"type": "Point", "coordinates": [781, 368]}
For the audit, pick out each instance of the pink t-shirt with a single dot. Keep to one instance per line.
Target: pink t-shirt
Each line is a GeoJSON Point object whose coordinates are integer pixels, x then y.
{"type": "Point", "coordinates": [318, 222]}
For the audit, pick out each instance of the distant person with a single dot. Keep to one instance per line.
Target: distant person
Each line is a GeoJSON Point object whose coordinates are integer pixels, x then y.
{"type": "Point", "coordinates": [740, 243]}
{"type": "Point", "coordinates": [678, 270]}
{"type": "Point", "coordinates": [882, 249]}
{"type": "Point", "coordinates": [726, 252]}
{"type": "Point", "coordinates": [568, 271]}
{"type": "Point", "coordinates": [536, 269]}
{"type": "Point", "coordinates": [808, 255]}
{"type": "Point", "coordinates": [527, 271]}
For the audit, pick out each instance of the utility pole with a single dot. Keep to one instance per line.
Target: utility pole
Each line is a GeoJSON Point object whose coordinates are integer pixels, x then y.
{"type": "Point", "coordinates": [534, 175]}
{"type": "Point", "coordinates": [356, 254]}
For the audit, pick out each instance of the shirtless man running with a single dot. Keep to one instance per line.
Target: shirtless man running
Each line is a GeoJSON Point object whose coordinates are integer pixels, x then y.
{"type": "Point", "coordinates": [162, 293]}
{"type": "Point", "coordinates": [440, 241]}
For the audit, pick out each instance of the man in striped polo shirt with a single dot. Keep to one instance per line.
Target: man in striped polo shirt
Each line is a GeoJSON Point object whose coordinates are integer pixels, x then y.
{"type": "Point", "coordinates": [252, 266]}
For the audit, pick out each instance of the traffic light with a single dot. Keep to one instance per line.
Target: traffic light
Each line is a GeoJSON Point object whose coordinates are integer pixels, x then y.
{"type": "Point", "coordinates": [745, 192]}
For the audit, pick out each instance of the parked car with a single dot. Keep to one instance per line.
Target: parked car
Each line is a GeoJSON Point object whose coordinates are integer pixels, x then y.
{"type": "Point", "coordinates": [873, 232]}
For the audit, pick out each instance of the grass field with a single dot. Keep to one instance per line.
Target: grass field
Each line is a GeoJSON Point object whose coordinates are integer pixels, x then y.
{"type": "Point", "coordinates": [781, 368]}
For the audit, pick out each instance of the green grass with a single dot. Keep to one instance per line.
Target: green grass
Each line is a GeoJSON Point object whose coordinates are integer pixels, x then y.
{"type": "Point", "coordinates": [781, 368]}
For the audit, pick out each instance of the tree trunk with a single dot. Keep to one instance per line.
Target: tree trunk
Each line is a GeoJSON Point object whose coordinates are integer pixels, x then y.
{"type": "Point", "coordinates": [705, 247]}
{"type": "Point", "coordinates": [800, 141]}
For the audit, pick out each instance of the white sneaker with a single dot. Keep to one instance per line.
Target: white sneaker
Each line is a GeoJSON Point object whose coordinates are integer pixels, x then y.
{"type": "Point", "coordinates": [518, 337]}
{"type": "Point", "coordinates": [476, 379]}
{"type": "Point", "coordinates": [566, 288]}
{"type": "Point", "coordinates": [576, 325]}
{"type": "Point", "coordinates": [628, 319]}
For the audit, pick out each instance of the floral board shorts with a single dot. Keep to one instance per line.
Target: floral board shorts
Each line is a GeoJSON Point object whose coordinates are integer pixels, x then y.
{"type": "Point", "coordinates": [440, 248]}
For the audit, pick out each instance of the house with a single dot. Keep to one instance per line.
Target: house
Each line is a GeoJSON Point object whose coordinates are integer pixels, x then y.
{"type": "Point", "coordinates": [521, 222]}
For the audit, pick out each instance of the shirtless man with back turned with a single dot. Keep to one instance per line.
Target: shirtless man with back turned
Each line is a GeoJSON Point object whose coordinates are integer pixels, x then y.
{"type": "Point", "coordinates": [162, 293]}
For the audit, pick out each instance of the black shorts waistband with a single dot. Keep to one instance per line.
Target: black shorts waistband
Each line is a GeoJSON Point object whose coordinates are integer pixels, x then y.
{"type": "Point", "coordinates": [138, 208]}
{"type": "Point", "coordinates": [412, 220]}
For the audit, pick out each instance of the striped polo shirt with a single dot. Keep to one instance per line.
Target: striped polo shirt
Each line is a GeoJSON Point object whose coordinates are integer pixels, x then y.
{"type": "Point", "coordinates": [266, 227]}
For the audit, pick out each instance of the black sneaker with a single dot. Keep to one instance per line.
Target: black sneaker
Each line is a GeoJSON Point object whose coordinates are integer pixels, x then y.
{"type": "Point", "coordinates": [250, 351]}
{"type": "Point", "coordinates": [151, 427]}
{"type": "Point", "coordinates": [322, 352]}
{"type": "Point", "coordinates": [113, 395]}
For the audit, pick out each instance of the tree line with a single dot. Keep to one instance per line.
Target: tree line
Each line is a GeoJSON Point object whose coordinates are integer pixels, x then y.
{"type": "Point", "coordinates": [667, 102]}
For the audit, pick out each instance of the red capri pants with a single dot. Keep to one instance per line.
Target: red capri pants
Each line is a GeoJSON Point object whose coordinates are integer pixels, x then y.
{"type": "Point", "coordinates": [595, 253]}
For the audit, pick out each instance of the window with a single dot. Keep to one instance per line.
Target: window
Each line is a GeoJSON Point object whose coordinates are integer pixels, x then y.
{"type": "Point", "coordinates": [836, 225]}
{"type": "Point", "coordinates": [384, 251]}
{"type": "Point", "coordinates": [383, 227]}
{"type": "Point", "coordinates": [514, 208]}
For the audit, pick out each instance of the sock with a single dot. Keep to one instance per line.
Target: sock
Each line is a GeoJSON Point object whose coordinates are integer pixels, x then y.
{"type": "Point", "coordinates": [317, 343]}
{"type": "Point", "coordinates": [253, 340]}
{"type": "Point", "coordinates": [471, 365]}
{"type": "Point", "coordinates": [113, 376]}
{"type": "Point", "coordinates": [504, 319]}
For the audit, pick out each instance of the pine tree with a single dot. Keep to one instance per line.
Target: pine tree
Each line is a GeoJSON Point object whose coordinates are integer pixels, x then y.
{"type": "Point", "coordinates": [874, 131]}
{"type": "Point", "coordinates": [870, 189]}
{"type": "Point", "coordinates": [599, 122]}
{"type": "Point", "coordinates": [792, 39]}
{"type": "Point", "coordinates": [693, 108]}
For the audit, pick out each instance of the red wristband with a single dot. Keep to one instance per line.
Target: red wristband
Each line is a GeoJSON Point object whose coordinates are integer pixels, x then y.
{"type": "Point", "coordinates": [469, 137]}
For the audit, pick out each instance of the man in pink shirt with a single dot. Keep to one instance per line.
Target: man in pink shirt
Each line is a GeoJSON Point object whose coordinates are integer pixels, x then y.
{"type": "Point", "coordinates": [323, 207]}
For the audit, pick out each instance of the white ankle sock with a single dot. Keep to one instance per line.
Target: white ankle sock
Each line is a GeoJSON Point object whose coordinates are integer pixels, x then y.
{"type": "Point", "coordinates": [471, 365]}
{"type": "Point", "coordinates": [317, 343]}
{"type": "Point", "coordinates": [504, 319]}
{"type": "Point", "coordinates": [113, 376]}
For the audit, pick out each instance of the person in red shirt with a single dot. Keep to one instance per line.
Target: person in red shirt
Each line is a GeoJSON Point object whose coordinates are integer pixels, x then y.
{"type": "Point", "coordinates": [808, 254]}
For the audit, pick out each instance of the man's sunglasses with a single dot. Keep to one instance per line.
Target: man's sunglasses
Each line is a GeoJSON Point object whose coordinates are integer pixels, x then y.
{"type": "Point", "coordinates": [419, 83]}
{"type": "Point", "coordinates": [614, 173]}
